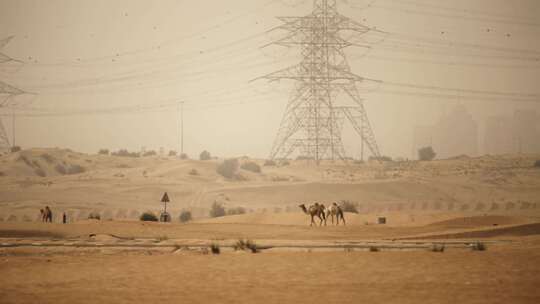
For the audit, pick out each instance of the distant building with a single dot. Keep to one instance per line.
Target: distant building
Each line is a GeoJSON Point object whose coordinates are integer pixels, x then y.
{"type": "Point", "coordinates": [517, 134]}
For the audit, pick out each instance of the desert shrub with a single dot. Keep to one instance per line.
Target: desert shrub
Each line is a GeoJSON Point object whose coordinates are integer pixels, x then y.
{"type": "Point", "coordinates": [193, 172]}
{"type": "Point", "coordinates": [48, 158]}
{"type": "Point", "coordinates": [235, 211]}
{"type": "Point", "coordinates": [358, 162]}
{"type": "Point", "coordinates": [217, 210]}
{"type": "Point", "coordinates": [75, 169]}
{"type": "Point", "coordinates": [94, 216]}
{"type": "Point", "coordinates": [269, 163]}
{"type": "Point", "coordinates": [205, 155]}
{"type": "Point", "coordinates": [60, 169]}
{"type": "Point", "coordinates": [2, 173]}
{"type": "Point", "coordinates": [537, 164]}
{"type": "Point", "coordinates": [40, 172]}
{"type": "Point", "coordinates": [426, 154]}
{"type": "Point", "coordinates": [478, 246]}
{"type": "Point", "coordinates": [125, 153]}
{"type": "Point", "coordinates": [373, 249]}
{"type": "Point", "coordinates": [25, 159]}
{"type": "Point", "coordinates": [149, 153]}
{"type": "Point", "coordinates": [251, 166]}
{"type": "Point", "coordinates": [382, 158]}
{"type": "Point", "coordinates": [228, 168]}
{"type": "Point", "coordinates": [15, 149]}
{"type": "Point", "coordinates": [348, 206]}
{"type": "Point", "coordinates": [245, 245]}
{"type": "Point", "coordinates": [148, 217]}
{"type": "Point", "coordinates": [184, 156]}
{"type": "Point", "coordinates": [437, 248]}
{"type": "Point", "coordinates": [303, 157]}
{"type": "Point", "coordinates": [214, 248]}
{"type": "Point", "coordinates": [172, 153]}
{"type": "Point", "coordinates": [103, 152]}
{"type": "Point", "coordinates": [185, 216]}
{"type": "Point", "coordinates": [284, 162]}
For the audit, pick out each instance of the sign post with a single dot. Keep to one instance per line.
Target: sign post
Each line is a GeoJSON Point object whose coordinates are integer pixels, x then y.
{"type": "Point", "coordinates": [165, 217]}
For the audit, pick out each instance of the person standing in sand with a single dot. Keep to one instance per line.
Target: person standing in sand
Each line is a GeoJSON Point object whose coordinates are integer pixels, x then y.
{"type": "Point", "coordinates": [48, 214]}
{"type": "Point", "coordinates": [64, 218]}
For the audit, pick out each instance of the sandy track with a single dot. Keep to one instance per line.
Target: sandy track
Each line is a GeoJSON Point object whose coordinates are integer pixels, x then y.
{"type": "Point", "coordinates": [501, 275]}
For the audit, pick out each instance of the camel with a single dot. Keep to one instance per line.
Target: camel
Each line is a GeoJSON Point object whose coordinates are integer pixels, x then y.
{"type": "Point", "coordinates": [335, 210]}
{"type": "Point", "coordinates": [314, 210]}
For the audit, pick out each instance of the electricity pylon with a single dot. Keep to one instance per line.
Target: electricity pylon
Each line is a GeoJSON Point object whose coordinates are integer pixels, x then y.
{"type": "Point", "coordinates": [325, 93]}
{"type": "Point", "coordinates": [6, 92]}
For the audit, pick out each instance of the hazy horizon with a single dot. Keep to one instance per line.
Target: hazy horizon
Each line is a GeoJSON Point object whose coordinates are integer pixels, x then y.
{"type": "Point", "coordinates": [95, 55]}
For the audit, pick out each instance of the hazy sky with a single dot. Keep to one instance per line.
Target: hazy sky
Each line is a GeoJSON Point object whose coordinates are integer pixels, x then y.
{"type": "Point", "coordinates": [102, 54]}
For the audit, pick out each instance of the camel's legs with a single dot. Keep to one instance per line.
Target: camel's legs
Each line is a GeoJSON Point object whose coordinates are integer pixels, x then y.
{"type": "Point", "coordinates": [312, 221]}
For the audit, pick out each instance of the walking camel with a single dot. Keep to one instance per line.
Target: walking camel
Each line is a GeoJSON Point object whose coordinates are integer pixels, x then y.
{"type": "Point", "coordinates": [335, 210]}
{"type": "Point", "coordinates": [313, 211]}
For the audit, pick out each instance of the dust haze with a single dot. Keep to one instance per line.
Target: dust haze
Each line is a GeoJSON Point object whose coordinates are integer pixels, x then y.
{"type": "Point", "coordinates": [281, 151]}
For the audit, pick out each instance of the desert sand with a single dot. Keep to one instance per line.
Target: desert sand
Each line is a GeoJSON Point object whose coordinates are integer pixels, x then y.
{"type": "Point", "coordinates": [456, 203]}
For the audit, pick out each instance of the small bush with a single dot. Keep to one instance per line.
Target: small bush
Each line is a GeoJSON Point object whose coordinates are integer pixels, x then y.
{"type": "Point", "coordinates": [184, 156]}
{"type": "Point", "coordinates": [237, 210]}
{"type": "Point", "coordinates": [373, 249]}
{"type": "Point", "coordinates": [148, 217]}
{"type": "Point", "coordinates": [205, 155]}
{"type": "Point", "coordinates": [437, 248]}
{"type": "Point", "coordinates": [251, 166]}
{"type": "Point", "coordinates": [193, 172]}
{"type": "Point", "coordinates": [214, 248]}
{"type": "Point", "coordinates": [40, 172]}
{"type": "Point", "coordinates": [269, 163]}
{"type": "Point", "coordinates": [185, 216]}
{"type": "Point", "coordinates": [284, 163]}
{"type": "Point", "coordinates": [48, 158]}
{"type": "Point", "coordinates": [217, 210]}
{"type": "Point", "coordinates": [75, 169]}
{"type": "Point", "coordinates": [103, 152]}
{"type": "Point", "coordinates": [382, 158]}
{"type": "Point", "coordinates": [478, 246]}
{"type": "Point", "coordinates": [15, 149]}
{"type": "Point", "coordinates": [348, 206]}
{"type": "Point", "coordinates": [60, 169]}
{"type": "Point", "coordinates": [228, 168]}
{"type": "Point", "coordinates": [426, 154]}
{"type": "Point", "coordinates": [149, 153]}
{"type": "Point", "coordinates": [172, 153]}
{"type": "Point", "coordinates": [303, 157]}
{"type": "Point", "coordinates": [125, 153]}
{"type": "Point", "coordinates": [537, 164]}
{"type": "Point", "coordinates": [245, 245]}
{"type": "Point", "coordinates": [94, 216]}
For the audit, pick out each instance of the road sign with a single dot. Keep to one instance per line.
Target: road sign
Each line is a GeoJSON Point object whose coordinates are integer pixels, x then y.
{"type": "Point", "coordinates": [165, 198]}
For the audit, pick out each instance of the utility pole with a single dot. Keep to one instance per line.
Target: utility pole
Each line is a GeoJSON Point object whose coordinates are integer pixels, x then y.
{"type": "Point", "coordinates": [181, 127]}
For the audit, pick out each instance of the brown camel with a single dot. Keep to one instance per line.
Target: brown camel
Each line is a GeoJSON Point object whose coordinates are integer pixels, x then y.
{"type": "Point", "coordinates": [314, 210]}
{"type": "Point", "coordinates": [335, 210]}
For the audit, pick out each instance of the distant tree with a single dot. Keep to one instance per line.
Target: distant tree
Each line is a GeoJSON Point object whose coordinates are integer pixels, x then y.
{"type": "Point", "coordinates": [217, 210]}
{"type": "Point", "coordinates": [103, 152]}
{"type": "Point", "coordinates": [172, 153]}
{"type": "Point", "coordinates": [228, 168]}
{"type": "Point", "coordinates": [251, 166]}
{"type": "Point", "coordinates": [185, 216]}
{"type": "Point", "coordinates": [205, 155]}
{"type": "Point", "coordinates": [184, 156]}
{"type": "Point", "coordinates": [426, 154]}
{"type": "Point", "coordinates": [125, 153]}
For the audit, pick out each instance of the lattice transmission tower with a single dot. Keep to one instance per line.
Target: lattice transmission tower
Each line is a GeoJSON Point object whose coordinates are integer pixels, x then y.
{"type": "Point", "coordinates": [6, 92]}
{"type": "Point", "coordinates": [325, 93]}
